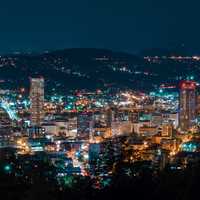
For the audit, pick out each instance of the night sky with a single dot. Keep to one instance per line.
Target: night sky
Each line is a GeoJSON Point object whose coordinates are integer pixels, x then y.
{"type": "Point", "coordinates": [122, 25]}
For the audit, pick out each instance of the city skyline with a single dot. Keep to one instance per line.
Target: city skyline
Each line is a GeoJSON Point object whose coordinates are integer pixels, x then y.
{"type": "Point", "coordinates": [99, 99]}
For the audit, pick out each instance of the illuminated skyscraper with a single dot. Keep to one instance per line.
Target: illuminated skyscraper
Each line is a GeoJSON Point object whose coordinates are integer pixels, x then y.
{"type": "Point", "coordinates": [187, 105]}
{"type": "Point", "coordinates": [109, 117]}
{"type": "Point", "coordinates": [84, 125]}
{"type": "Point", "coordinates": [37, 101]}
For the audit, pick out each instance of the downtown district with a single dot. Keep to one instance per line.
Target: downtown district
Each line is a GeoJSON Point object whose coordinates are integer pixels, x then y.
{"type": "Point", "coordinates": [87, 134]}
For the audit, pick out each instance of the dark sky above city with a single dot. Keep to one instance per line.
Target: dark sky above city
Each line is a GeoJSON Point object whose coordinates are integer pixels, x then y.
{"type": "Point", "coordinates": [122, 25]}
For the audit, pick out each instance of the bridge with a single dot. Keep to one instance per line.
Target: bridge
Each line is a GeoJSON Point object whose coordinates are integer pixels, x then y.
{"type": "Point", "coordinates": [9, 109]}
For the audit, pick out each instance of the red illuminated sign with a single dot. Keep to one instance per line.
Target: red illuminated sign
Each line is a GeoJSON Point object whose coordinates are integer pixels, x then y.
{"type": "Point", "coordinates": [187, 85]}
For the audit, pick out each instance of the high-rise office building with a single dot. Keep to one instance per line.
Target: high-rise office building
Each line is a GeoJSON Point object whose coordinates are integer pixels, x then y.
{"type": "Point", "coordinates": [84, 125]}
{"type": "Point", "coordinates": [37, 101]}
{"type": "Point", "coordinates": [109, 117]}
{"type": "Point", "coordinates": [187, 105]}
{"type": "Point", "coordinates": [198, 100]}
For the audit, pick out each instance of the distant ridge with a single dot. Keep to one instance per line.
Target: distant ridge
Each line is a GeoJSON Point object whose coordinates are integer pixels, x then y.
{"type": "Point", "coordinates": [89, 68]}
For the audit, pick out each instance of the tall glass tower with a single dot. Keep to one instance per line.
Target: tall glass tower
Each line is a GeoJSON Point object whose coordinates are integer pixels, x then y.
{"type": "Point", "coordinates": [187, 105]}
{"type": "Point", "coordinates": [37, 100]}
